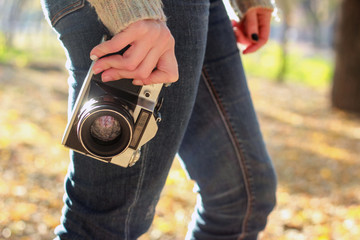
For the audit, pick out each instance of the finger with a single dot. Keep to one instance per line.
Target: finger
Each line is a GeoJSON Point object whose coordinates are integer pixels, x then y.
{"type": "Point", "coordinates": [148, 65]}
{"type": "Point", "coordinates": [238, 34]}
{"type": "Point", "coordinates": [251, 25]}
{"type": "Point", "coordinates": [234, 23]}
{"type": "Point", "coordinates": [113, 74]}
{"type": "Point", "coordinates": [143, 70]}
{"type": "Point", "coordinates": [133, 32]}
{"type": "Point", "coordinates": [132, 59]}
{"type": "Point", "coordinates": [113, 61]}
{"type": "Point", "coordinates": [264, 20]}
{"type": "Point", "coordinates": [118, 42]}
{"type": "Point", "coordinates": [166, 71]}
{"type": "Point", "coordinates": [240, 37]}
{"type": "Point", "coordinates": [156, 77]}
{"type": "Point", "coordinates": [254, 47]}
{"type": "Point", "coordinates": [129, 61]}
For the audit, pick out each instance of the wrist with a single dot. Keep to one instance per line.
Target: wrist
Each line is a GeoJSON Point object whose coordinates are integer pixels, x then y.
{"type": "Point", "coordinates": [117, 15]}
{"type": "Point", "coordinates": [242, 7]}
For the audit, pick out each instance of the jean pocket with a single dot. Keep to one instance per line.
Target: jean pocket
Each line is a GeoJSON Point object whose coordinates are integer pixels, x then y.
{"type": "Point", "coordinates": [55, 10]}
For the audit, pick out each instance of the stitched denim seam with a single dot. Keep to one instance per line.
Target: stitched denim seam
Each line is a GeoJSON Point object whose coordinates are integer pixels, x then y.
{"type": "Point", "coordinates": [137, 195]}
{"type": "Point", "coordinates": [73, 7]}
{"type": "Point", "coordinates": [237, 147]}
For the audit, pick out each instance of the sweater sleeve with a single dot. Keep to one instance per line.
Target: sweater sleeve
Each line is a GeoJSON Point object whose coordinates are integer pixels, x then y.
{"type": "Point", "coordinates": [242, 6]}
{"type": "Point", "coordinates": [116, 15]}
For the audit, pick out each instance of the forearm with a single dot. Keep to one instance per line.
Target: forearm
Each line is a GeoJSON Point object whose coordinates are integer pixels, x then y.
{"type": "Point", "coordinates": [243, 6]}
{"type": "Point", "coordinates": [116, 15]}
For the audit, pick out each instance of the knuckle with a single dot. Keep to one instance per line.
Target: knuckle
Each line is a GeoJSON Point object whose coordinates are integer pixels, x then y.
{"type": "Point", "coordinates": [108, 47]}
{"type": "Point", "coordinates": [127, 54]}
{"type": "Point", "coordinates": [143, 74]}
{"type": "Point", "coordinates": [140, 27]}
{"type": "Point", "coordinates": [174, 79]}
{"type": "Point", "coordinates": [176, 76]}
{"type": "Point", "coordinates": [130, 66]}
{"type": "Point", "coordinates": [166, 32]}
{"type": "Point", "coordinates": [168, 36]}
{"type": "Point", "coordinates": [147, 81]}
{"type": "Point", "coordinates": [171, 41]}
{"type": "Point", "coordinates": [130, 63]}
{"type": "Point", "coordinates": [118, 75]}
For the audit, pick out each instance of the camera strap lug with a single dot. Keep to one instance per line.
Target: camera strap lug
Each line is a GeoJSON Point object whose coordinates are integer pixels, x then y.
{"type": "Point", "coordinates": [158, 117]}
{"type": "Point", "coordinates": [135, 157]}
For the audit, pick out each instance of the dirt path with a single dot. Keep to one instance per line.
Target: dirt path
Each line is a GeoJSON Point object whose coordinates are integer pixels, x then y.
{"type": "Point", "coordinates": [315, 151]}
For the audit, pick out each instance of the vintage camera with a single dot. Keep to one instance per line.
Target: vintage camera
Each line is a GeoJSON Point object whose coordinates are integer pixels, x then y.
{"type": "Point", "coordinates": [111, 121]}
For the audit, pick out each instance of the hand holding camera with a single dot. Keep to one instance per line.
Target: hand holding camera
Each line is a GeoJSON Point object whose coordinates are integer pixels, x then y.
{"type": "Point", "coordinates": [112, 120]}
{"type": "Point", "coordinates": [152, 47]}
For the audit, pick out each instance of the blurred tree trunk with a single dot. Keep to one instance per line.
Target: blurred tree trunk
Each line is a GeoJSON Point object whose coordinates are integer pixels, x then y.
{"type": "Point", "coordinates": [285, 6]}
{"type": "Point", "coordinates": [311, 7]}
{"type": "Point", "coordinates": [11, 12]}
{"type": "Point", "coordinates": [346, 85]}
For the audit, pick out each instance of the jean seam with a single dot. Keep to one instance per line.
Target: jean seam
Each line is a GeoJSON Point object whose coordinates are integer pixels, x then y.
{"type": "Point", "coordinates": [137, 194]}
{"type": "Point", "coordinates": [66, 10]}
{"type": "Point", "coordinates": [237, 146]}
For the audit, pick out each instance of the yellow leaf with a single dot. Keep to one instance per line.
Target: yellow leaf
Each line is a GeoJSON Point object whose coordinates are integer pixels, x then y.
{"type": "Point", "coordinates": [323, 238]}
{"type": "Point", "coordinates": [51, 221]}
{"type": "Point", "coordinates": [325, 173]}
{"type": "Point", "coordinates": [354, 212]}
{"type": "Point", "coordinates": [23, 211]}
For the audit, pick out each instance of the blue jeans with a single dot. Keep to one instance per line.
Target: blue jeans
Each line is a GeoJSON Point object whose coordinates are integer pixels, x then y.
{"type": "Point", "coordinates": [208, 118]}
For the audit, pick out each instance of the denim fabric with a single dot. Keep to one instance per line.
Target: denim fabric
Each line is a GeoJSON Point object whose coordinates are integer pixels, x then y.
{"type": "Point", "coordinates": [207, 117]}
{"type": "Point", "coordinates": [55, 10]}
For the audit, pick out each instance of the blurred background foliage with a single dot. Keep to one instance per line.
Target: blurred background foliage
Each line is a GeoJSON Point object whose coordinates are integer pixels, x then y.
{"type": "Point", "coordinates": [299, 81]}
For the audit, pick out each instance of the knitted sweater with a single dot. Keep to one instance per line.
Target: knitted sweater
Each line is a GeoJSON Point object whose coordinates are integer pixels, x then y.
{"type": "Point", "coordinates": [242, 6]}
{"type": "Point", "coordinates": [118, 14]}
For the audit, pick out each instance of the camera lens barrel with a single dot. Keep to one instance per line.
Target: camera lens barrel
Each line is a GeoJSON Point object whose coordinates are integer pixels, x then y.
{"type": "Point", "coordinates": [118, 115]}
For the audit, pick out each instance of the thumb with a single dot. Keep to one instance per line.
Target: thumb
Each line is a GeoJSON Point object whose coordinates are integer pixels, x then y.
{"type": "Point", "coordinates": [240, 36]}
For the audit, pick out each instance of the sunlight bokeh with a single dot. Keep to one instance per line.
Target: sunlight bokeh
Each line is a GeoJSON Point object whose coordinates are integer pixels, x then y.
{"type": "Point", "coordinates": [315, 148]}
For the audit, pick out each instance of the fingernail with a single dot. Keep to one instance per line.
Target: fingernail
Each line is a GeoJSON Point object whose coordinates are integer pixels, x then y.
{"type": "Point", "coordinates": [94, 57]}
{"type": "Point", "coordinates": [137, 82]}
{"type": "Point", "coordinates": [106, 78]}
{"type": "Point", "coordinates": [255, 37]}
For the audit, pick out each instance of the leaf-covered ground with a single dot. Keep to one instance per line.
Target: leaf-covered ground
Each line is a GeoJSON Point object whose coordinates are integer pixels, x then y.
{"type": "Point", "coordinates": [314, 148]}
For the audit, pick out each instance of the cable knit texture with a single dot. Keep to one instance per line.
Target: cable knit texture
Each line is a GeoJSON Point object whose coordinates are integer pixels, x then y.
{"type": "Point", "coordinates": [116, 15]}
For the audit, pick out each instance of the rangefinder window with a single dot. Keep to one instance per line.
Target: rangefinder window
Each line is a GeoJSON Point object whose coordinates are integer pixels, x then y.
{"type": "Point", "coordinates": [140, 126]}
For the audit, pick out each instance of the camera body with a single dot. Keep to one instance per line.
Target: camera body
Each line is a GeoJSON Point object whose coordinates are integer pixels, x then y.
{"type": "Point", "coordinates": [111, 121]}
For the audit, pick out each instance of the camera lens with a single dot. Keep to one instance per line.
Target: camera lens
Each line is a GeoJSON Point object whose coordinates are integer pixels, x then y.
{"type": "Point", "coordinates": [105, 128]}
